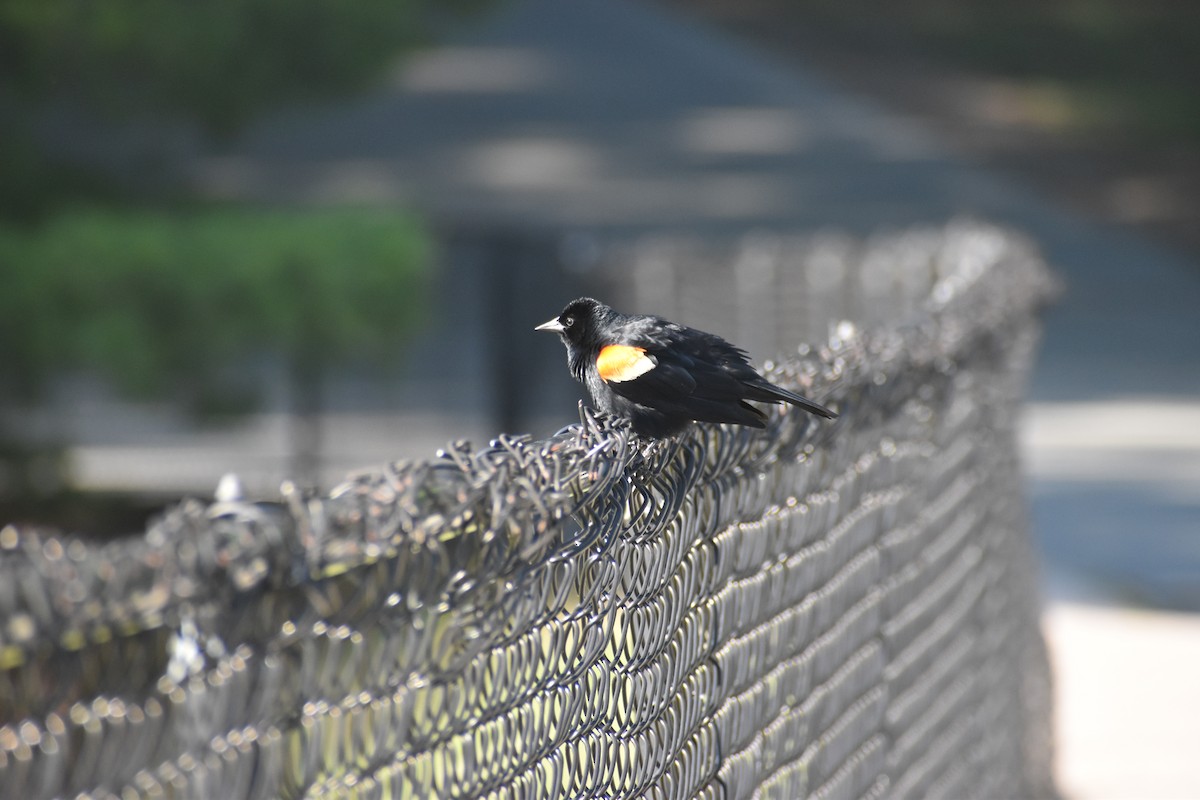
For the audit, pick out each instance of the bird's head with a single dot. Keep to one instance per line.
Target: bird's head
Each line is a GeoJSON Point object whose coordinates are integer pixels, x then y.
{"type": "Point", "coordinates": [578, 323]}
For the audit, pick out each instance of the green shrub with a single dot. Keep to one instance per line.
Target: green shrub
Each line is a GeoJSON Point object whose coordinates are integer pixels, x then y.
{"type": "Point", "coordinates": [165, 301]}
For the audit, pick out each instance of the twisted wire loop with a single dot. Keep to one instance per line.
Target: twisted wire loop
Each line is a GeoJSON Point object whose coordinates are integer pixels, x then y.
{"type": "Point", "coordinates": [831, 610]}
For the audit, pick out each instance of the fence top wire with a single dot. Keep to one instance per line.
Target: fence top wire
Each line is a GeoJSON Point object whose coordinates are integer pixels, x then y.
{"type": "Point", "coordinates": [457, 526]}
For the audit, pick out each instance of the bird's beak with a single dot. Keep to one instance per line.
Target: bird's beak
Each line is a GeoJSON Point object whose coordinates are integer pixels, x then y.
{"type": "Point", "coordinates": [550, 325]}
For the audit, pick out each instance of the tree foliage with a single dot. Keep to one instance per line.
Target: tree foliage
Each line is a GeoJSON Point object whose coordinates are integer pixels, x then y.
{"type": "Point", "coordinates": [210, 66]}
{"type": "Point", "coordinates": [217, 63]}
{"type": "Point", "coordinates": [159, 300]}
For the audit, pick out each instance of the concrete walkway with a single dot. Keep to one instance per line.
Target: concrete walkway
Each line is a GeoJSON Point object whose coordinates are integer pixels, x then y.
{"type": "Point", "coordinates": [1125, 699]}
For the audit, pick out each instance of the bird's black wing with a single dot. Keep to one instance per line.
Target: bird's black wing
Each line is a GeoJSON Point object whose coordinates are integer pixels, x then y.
{"type": "Point", "coordinates": [694, 375]}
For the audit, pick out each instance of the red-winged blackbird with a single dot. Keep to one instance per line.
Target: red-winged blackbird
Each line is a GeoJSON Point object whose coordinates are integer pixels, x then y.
{"type": "Point", "coordinates": [661, 376]}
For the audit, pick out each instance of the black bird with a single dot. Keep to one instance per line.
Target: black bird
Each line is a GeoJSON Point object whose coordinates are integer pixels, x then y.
{"type": "Point", "coordinates": [661, 376]}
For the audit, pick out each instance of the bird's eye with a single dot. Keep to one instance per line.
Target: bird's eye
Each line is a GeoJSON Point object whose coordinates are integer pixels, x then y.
{"type": "Point", "coordinates": [568, 321]}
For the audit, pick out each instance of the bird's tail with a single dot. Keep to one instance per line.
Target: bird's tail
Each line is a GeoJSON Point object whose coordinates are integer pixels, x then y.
{"type": "Point", "coordinates": [771, 393]}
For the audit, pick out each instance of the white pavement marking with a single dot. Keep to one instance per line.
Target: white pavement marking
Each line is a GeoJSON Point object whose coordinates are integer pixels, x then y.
{"type": "Point", "coordinates": [1139, 441]}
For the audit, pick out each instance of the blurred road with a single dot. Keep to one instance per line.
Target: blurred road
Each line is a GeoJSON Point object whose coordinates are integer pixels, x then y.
{"type": "Point", "coordinates": [610, 118]}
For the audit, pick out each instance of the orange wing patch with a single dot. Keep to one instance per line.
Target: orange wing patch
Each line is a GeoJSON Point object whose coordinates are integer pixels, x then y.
{"type": "Point", "coordinates": [620, 362]}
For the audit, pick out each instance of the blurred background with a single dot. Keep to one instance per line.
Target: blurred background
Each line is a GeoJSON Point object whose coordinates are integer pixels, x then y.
{"type": "Point", "coordinates": [292, 239]}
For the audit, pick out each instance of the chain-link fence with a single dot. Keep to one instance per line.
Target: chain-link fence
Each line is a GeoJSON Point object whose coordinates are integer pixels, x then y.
{"type": "Point", "coordinates": [842, 609]}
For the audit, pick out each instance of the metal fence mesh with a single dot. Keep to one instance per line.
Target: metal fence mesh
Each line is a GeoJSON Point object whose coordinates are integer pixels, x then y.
{"type": "Point", "coordinates": [818, 610]}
